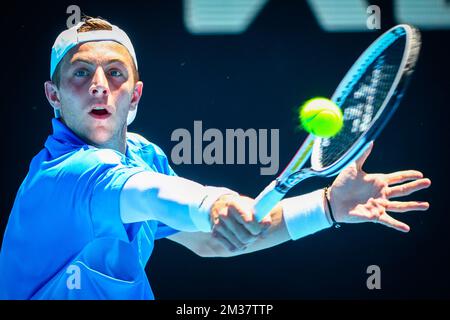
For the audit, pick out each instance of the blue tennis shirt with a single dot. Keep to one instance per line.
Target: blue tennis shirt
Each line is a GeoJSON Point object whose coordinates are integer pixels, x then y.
{"type": "Point", "coordinates": [65, 238]}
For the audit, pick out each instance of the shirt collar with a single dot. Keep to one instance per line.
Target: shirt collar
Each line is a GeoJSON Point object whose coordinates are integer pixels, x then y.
{"type": "Point", "coordinates": [64, 140]}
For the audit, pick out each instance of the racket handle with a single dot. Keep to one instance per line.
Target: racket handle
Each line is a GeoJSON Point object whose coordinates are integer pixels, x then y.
{"type": "Point", "coordinates": [266, 200]}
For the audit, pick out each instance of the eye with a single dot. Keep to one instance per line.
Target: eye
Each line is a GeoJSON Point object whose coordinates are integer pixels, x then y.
{"type": "Point", "coordinates": [81, 73]}
{"type": "Point", "coordinates": [115, 73]}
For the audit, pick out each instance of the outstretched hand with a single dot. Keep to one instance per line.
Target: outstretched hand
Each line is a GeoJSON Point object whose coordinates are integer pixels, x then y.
{"type": "Point", "coordinates": [356, 196]}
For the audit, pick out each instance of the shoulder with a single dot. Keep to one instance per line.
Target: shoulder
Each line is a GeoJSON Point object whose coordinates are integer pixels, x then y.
{"type": "Point", "coordinates": [84, 162]}
{"type": "Point", "coordinates": [98, 156]}
{"type": "Point", "coordinates": [151, 153]}
{"type": "Point", "coordinates": [104, 156]}
{"type": "Point", "coordinates": [142, 144]}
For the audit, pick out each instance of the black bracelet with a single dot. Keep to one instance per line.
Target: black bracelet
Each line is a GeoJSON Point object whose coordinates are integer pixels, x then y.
{"type": "Point", "coordinates": [335, 224]}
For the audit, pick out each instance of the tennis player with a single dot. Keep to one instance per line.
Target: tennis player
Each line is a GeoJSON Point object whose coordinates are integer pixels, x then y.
{"type": "Point", "coordinates": [96, 197]}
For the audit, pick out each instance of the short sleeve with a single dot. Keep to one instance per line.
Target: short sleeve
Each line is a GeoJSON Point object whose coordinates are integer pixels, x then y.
{"type": "Point", "coordinates": [150, 153]}
{"type": "Point", "coordinates": [163, 231]}
{"type": "Point", "coordinates": [108, 180]}
{"type": "Point", "coordinates": [156, 160]}
{"type": "Point", "coordinates": [104, 204]}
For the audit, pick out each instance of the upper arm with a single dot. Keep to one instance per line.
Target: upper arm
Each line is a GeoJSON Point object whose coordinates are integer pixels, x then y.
{"type": "Point", "coordinates": [155, 196]}
{"type": "Point", "coordinates": [177, 202]}
{"type": "Point", "coordinates": [92, 180]}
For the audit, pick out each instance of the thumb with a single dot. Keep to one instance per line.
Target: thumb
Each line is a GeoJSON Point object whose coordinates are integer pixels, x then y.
{"type": "Point", "coordinates": [363, 157]}
{"type": "Point", "coordinates": [266, 222]}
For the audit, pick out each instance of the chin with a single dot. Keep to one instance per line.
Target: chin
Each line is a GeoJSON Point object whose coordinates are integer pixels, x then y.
{"type": "Point", "coordinates": [101, 138]}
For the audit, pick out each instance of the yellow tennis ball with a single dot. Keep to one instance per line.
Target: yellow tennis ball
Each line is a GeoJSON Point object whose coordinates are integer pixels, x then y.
{"type": "Point", "coordinates": [321, 117]}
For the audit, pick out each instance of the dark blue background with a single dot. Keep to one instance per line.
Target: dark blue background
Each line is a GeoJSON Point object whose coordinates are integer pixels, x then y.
{"type": "Point", "coordinates": [252, 80]}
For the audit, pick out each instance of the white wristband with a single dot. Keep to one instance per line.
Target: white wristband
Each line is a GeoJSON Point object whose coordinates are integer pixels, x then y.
{"type": "Point", "coordinates": [305, 214]}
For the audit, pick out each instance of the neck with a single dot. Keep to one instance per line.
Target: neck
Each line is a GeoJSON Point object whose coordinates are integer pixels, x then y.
{"type": "Point", "coordinates": [118, 142]}
{"type": "Point", "coordinates": [120, 146]}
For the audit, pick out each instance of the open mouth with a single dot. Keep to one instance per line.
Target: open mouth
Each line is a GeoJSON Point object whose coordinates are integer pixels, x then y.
{"type": "Point", "coordinates": [99, 113]}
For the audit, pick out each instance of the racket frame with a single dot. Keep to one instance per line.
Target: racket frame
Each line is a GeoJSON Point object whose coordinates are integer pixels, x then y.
{"type": "Point", "coordinates": [294, 172]}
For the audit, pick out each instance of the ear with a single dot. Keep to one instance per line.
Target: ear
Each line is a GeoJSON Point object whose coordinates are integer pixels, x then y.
{"type": "Point", "coordinates": [137, 94]}
{"type": "Point", "coordinates": [52, 94]}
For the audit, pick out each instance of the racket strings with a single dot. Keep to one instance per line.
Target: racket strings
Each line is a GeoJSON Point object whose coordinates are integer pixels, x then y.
{"type": "Point", "coordinates": [363, 103]}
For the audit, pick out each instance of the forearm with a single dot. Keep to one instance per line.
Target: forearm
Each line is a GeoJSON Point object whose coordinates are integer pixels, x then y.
{"type": "Point", "coordinates": [276, 234]}
{"type": "Point", "coordinates": [177, 202]}
{"type": "Point", "coordinates": [292, 219]}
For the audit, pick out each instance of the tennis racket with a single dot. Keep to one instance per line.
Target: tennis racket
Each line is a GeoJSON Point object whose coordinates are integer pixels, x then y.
{"type": "Point", "coordinates": [368, 96]}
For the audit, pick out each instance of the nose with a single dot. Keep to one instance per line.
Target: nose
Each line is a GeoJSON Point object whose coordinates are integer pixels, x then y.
{"type": "Point", "coordinates": [99, 87]}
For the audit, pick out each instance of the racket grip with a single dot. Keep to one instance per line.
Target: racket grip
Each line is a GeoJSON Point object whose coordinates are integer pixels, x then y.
{"type": "Point", "coordinates": [266, 200]}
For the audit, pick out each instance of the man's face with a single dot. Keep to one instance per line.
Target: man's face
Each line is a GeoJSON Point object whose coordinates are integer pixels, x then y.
{"type": "Point", "coordinates": [97, 89]}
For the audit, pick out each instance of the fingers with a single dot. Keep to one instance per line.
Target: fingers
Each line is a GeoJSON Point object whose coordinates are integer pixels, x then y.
{"type": "Point", "coordinates": [224, 227]}
{"type": "Point", "coordinates": [243, 235]}
{"type": "Point", "coordinates": [245, 218]}
{"type": "Point", "coordinates": [232, 242]}
{"type": "Point", "coordinates": [399, 206]}
{"type": "Point", "coordinates": [360, 161]}
{"type": "Point", "coordinates": [224, 241]}
{"type": "Point", "coordinates": [402, 176]}
{"type": "Point", "coordinates": [235, 223]}
{"type": "Point", "coordinates": [375, 211]}
{"type": "Point", "coordinates": [377, 215]}
{"type": "Point", "coordinates": [390, 222]}
{"type": "Point", "coordinates": [408, 188]}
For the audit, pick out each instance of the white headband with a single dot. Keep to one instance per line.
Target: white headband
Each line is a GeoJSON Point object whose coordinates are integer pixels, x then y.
{"type": "Point", "coordinates": [70, 38]}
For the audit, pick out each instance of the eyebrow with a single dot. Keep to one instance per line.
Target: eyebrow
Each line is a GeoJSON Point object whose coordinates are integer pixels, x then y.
{"type": "Point", "coordinates": [111, 61]}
